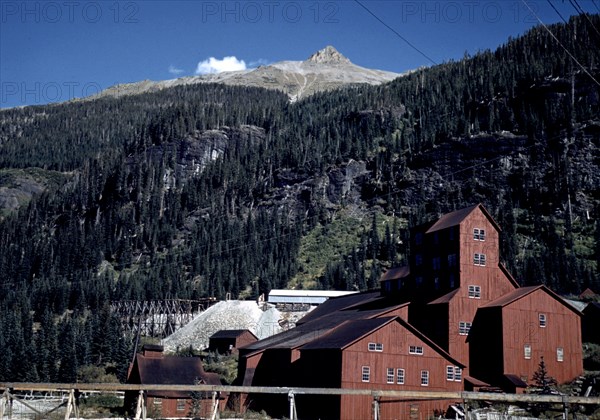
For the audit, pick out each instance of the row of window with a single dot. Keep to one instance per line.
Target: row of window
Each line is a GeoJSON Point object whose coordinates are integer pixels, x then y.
{"type": "Point", "coordinates": [464, 327]}
{"type": "Point", "coordinates": [560, 353]}
{"type": "Point", "coordinates": [394, 376]}
{"type": "Point", "coordinates": [453, 373]}
{"type": "Point", "coordinates": [436, 262]}
{"type": "Point", "coordinates": [375, 346]}
{"type": "Point", "coordinates": [180, 404]}
{"type": "Point", "coordinates": [379, 347]}
{"type": "Point", "coordinates": [478, 235]}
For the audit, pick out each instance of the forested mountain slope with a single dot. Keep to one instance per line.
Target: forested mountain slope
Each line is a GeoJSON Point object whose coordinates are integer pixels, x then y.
{"type": "Point", "coordinates": [209, 189]}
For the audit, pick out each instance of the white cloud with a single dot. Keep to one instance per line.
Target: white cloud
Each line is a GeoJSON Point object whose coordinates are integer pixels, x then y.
{"type": "Point", "coordinates": [214, 65]}
{"type": "Point", "coordinates": [174, 70]}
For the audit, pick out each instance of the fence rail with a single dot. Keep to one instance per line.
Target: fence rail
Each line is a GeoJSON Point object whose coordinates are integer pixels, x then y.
{"type": "Point", "coordinates": [9, 388]}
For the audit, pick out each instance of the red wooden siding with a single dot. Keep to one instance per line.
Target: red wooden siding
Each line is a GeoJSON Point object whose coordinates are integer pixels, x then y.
{"type": "Point", "coordinates": [520, 326]}
{"type": "Point", "coordinates": [396, 341]}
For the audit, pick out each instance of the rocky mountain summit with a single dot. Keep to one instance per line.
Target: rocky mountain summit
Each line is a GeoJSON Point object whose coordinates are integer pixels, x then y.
{"type": "Point", "coordinates": [328, 55]}
{"type": "Point", "coordinates": [325, 70]}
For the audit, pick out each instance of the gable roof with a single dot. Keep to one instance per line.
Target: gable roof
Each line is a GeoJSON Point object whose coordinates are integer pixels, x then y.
{"type": "Point", "coordinates": [456, 217]}
{"type": "Point", "coordinates": [351, 331]}
{"type": "Point", "coordinates": [587, 293]}
{"type": "Point", "coordinates": [231, 333]}
{"type": "Point", "coordinates": [338, 303]}
{"type": "Point", "coordinates": [171, 370]}
{"type": "Point", "coordinates": [371, 307]}
{"type": "Point", "coordinates": [444, 299]}
{"type": "Point", "coordinates": [396, 273]}
{"type": "Point", "coordinates": [347, 333]}
{"type": "Point", "coordinates": [521, 292]}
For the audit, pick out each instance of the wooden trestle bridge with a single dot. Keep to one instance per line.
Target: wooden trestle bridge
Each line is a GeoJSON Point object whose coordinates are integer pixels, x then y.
{"type": "Point", "coordinates": [10, 391]}
{"type": "Point", "coordinates": [157, 318]}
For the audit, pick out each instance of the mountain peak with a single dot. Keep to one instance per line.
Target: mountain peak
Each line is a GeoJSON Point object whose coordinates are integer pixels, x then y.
{"type": "Point", "coordinates": [328, 55]}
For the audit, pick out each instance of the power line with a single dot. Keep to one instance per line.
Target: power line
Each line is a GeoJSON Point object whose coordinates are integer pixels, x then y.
{"type": "Point", "coordinates": [395, 32]}
{"type": "Point", "coordinates": [560, 43]}
{"type": "Point", "coordinates": [582, 12]}
{"type": "Point", "coordinates": [557, 12]}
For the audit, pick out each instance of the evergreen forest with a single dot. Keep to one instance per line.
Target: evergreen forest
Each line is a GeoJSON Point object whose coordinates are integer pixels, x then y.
{"type": "Point", "coordinates": [206, 190]}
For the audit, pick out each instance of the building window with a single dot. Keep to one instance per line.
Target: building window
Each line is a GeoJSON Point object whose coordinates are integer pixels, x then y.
{"type": "Point", "coordinates": [475, 292]}
{"type": "Point", "coordinates": [436, 283]}
{"type": "Point", "coordinates": [400, 376]}
{"type": "Point", "coordinates": [457, 374]}
{"type": "Point", "coordinates": [451, 233]}
{"type": "Point", "coordinates": [415, 350]}
{"type": "Point", "coordinates": [366, 373]}
{"type": "Point", "coordinates": [453, 373]}
{"type": "Point", "coordinates": [375, 346]}
{"type": "Point", "coordinates": [542, 318]}
{"type": "Point", "coordinates": [451, 280]}
{"type": "Point", "coordinates": [437, 263]}
{"type": "Point", "coordinates": [527, 351]}
{"type": "Point", "coordinates": [464, 327]}
{"type": "Point", "coordinates": [452, 260]}
{"type": "Point", "coordinates": [419, 238]}
{"type": "Point", "coordinates": [560, 354]}
{"type": "Point", "coordinates": [418, 259]}
{"type": "Point", "coordinates": [180, 405]}
{"type": "Point", "coordinates": [157, 402]}
{"type": "Point", "coordinates": [419, 281]}
{"type": "Point", "coordinates": [390, 375]}
{"type": "Point", "coordinates": [424, 378]}
{"type": "Point", "coordinates": [479, 259]}
{"type": "Point", "coordinates": [450, 373]}
{"type": "Point", "coordinates": [479, 234]}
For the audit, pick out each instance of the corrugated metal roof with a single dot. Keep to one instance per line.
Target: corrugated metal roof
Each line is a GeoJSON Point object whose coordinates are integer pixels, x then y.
{"type": "Point", "coordinates": [521, 292]}
{"type": "Point", "coordinates": [351, 331]}
{"type": "Point", "coordinates": [347, 333]}
{"type": "Point", "coordinates": [511, 296]}
{"type": "Point", "coordinates": [456, 217]}
{"type": "Point", "coordinates": [309, 293]}
{"type": "Point", "coordinates": [310, 297]}
{"type": "Point", "coordinates": [334, 313]}
{"type": "Point", "coordinates": [339, 303]}
{"type": "Point", "coordinates": [580, 306]}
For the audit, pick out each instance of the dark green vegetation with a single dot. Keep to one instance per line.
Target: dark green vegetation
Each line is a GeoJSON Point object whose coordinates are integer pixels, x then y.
{"type": "Point", "coordinates": [203, 190]}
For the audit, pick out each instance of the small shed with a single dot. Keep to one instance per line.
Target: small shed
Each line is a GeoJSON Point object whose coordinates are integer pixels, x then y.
{"type": "Point", "coordinates": [153, 367]}
{"type": "Point", "coordinates": [226, 341]}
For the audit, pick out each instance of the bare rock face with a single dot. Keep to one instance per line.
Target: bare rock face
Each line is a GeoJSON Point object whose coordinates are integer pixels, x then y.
{"type": "Point", "coordinates": [328, 55]}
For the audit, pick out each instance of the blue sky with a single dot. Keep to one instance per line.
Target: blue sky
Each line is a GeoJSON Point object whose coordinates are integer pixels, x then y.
{"type": "Point", "coordinates": [51, 51]}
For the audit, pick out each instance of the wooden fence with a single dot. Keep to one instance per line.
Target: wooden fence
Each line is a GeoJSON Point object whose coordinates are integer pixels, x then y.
{"type": "Point", "coordinates": [72, 390]}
